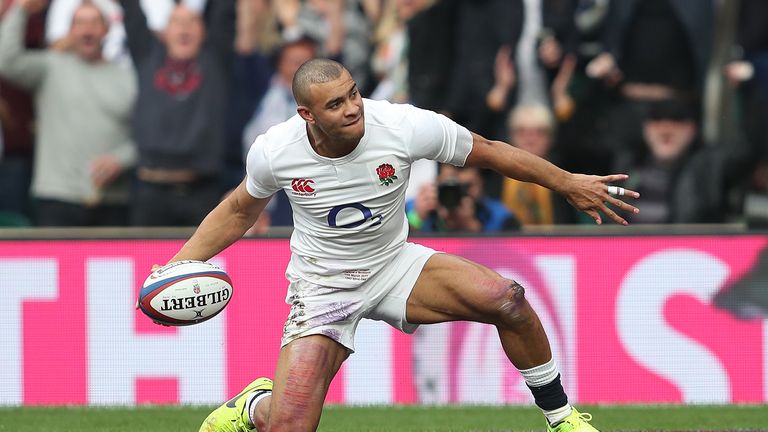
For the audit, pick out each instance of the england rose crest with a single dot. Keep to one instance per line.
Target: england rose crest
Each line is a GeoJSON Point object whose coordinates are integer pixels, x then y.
{"type": "Point", "coordinates": [386, 173]}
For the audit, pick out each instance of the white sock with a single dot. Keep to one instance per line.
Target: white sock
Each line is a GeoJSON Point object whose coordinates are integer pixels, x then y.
{"type": "Point", "coordinates": [542, 375]}
{"type": "Point", "coordinates": [253, 399]}
{"type": "Point", "coordinates": [556, 416]}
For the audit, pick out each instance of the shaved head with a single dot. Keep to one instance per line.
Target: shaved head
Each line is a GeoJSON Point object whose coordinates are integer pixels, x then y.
{"type": "Point", "coordinates": [315, 71]}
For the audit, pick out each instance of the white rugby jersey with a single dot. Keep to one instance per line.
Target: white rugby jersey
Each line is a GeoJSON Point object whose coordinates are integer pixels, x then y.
{"type": "Point", "coordinates": [349, 212]}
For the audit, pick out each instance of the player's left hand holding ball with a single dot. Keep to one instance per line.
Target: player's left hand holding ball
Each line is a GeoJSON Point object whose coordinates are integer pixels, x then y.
{"type": "Point", "coordinates": [184, 293]}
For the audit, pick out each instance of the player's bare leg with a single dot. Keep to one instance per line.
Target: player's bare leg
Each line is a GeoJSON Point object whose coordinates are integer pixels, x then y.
{"type": "Point", "coordinates": [304, 371]}
{"type": "Point", "coordinates": [451, 288]}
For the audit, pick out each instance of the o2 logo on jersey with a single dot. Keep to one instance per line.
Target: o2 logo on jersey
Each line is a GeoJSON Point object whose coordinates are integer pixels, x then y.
{"type": "Point", "coordinates": [365, 213]}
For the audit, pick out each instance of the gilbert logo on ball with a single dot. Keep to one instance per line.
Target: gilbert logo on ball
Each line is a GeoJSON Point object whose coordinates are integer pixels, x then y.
{"type": "Point", "coordinates": [185, 293]}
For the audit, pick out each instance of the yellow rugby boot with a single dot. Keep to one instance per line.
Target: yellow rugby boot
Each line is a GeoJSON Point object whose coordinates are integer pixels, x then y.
{"type": "Point", "coordinates": [233, 415]}
{"type": "Point", "coordinates": [575, 422]}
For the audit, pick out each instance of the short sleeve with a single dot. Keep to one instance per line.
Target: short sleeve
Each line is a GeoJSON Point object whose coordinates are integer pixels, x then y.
{"type": "Point", "coordinates": [438, 138]}
{"type": "Point", "coordinates": [260, 180]}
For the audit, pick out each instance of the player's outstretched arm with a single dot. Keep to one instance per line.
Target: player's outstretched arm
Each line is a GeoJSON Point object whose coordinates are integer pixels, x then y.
{"type": "Point", "coordinates": [587, 193]}
{"type": "Point", "coordinates": [223, 226]}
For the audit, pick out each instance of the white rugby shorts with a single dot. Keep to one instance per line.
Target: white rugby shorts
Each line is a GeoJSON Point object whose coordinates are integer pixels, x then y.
{"type": "Point", "coordinates": [335, 312]}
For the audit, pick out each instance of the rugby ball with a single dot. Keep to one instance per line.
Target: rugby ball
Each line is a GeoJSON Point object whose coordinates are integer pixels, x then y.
{"type": "Point", "coordinates": [185, 293]}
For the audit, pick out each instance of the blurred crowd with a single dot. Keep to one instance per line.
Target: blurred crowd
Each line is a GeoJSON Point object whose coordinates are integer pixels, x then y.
{"type": "Point", "coordinates": [140, 112]}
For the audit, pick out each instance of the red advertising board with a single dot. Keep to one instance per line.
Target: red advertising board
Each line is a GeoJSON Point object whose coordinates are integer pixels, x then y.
{"type": "Point", "coordinates": [630, 320]}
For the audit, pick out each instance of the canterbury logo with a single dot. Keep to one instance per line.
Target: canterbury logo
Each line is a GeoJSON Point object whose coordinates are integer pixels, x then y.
{"type": "Point", "coordinates": [303, 185]}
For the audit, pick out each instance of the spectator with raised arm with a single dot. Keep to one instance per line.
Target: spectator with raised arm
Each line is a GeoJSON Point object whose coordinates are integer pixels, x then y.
{"type": "Point", "coordinates": [255, 38]}
{"type": "Point", "coordinates": [389, 61]}
{"type": "Point", "coordinates": [83, 146]}
{"type": "Point", "coordinates": [17, 119]}
{"type": "Point", "coordinates": [654, 50]}
{"type": "Point", "coordinates": [340, 27]}
{"type": "Point", "coordinates": [59, 17]}
{"type": "Point", "coordinates": [488, 30]}
{"type": "Point", "coordinates": [180, 113]}
{"type": "Point", "coordinates": [430, 27]}
{"type": "Point", "coordinates": [546, 35]}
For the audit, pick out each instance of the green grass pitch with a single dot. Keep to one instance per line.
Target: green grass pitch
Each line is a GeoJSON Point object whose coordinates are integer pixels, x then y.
{"type": "Point", "coordinates": [400, 419]}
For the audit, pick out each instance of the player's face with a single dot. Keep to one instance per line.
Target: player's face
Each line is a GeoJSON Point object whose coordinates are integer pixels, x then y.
{"type": "Point", "coordinates": [87, 32]}
{"type": "Point", "coordinates": [338, 108]}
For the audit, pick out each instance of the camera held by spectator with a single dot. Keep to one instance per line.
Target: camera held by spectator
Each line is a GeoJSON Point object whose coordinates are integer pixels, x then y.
{"type": "Point", "coordinates": [450, 192]}
{"type": "Point", "coordinates": [458, 204]}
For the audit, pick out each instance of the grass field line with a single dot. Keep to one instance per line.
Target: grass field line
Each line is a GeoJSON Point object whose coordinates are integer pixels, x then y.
{"type": "Point", "coordinates": [412, 418]}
